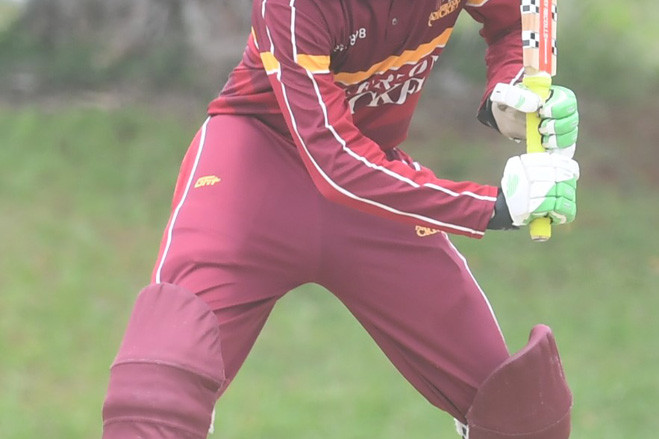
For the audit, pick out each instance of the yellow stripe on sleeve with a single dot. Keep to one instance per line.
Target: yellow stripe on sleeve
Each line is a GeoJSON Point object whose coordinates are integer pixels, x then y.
{"type": "Point", "coordinates": [270, 63]}
{"type": "Point", "coordinates": [396, 61]}
{"type": "Point", "coordinates": [314, 63]}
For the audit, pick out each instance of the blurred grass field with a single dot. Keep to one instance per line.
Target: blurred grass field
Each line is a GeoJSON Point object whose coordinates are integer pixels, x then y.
{"type": "Point", "coordinates": [85, 194]}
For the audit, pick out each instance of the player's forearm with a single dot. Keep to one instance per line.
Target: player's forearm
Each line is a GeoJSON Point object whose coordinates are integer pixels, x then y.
{"type": "Point", "coordinates": [389, 189]}
{"type": "Point", "coordinates": [503, 59]}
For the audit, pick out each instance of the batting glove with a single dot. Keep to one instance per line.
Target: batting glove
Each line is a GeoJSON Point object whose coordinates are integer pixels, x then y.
{"type": "Point", "coordinates": [540, 185]}
{"type": "Point", "coordinates": [559, 116]}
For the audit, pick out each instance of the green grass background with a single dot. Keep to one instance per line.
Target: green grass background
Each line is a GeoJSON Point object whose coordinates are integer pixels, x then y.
{"type": "Point", "coordinates": [85, 194]}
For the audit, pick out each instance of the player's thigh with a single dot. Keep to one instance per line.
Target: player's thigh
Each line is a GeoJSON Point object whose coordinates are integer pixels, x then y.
{"type": "Point", "coordinates": [241, 212]}
{"type": "Point", "coordinates": [416, 296]}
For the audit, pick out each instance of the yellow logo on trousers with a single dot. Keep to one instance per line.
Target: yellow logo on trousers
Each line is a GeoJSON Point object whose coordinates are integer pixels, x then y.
{"type": "Point", "coordinates": [425, 231]}
{"type": "Point", "coordinates": [207, 180]}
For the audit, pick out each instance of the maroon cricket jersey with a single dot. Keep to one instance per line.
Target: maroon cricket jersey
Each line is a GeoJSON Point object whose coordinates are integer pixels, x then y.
{"type": "Point", "coordinates": [342, 78]}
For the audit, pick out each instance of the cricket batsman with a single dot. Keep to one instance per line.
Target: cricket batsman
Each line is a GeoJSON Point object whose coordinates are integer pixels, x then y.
{"type": "Point", "coordinates": [299, 175]}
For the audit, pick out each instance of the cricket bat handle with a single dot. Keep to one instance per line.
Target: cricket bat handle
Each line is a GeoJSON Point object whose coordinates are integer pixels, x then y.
{"type": "Point", "coordinates": [540, 228]}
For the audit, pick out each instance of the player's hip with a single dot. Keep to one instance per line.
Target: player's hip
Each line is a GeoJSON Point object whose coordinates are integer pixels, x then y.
{"type": "Point", "coordinates": [242, 198]}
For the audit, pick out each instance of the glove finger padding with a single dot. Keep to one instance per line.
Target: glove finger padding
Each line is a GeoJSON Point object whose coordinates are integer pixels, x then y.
{"type": "Point", "coordinates": [559, 204]}
{"type": "Point", "coordinates": [562, 102]}
{"type": "Point", "coordinates": [567, 125]}
{"type": "Point", "coordinates": [560, 135]}
{"type": "Point", "coordinates": [540, 185]}
{"type": "Point", "coordinates": [559, 124]}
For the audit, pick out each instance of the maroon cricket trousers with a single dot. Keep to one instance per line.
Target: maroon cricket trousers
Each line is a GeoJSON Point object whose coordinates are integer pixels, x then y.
{"type": "Point", "coordinates": [248, 225]}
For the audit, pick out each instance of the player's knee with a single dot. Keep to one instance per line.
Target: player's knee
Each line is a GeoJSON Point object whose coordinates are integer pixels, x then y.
{"type": "Point", "coordinates": [527, 397]}
{"type": "Point", "coordinates": [169, 369]}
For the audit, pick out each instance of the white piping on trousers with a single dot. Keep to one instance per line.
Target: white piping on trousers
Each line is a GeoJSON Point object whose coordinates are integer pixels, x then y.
{"type": "Point", "coordinates": [170, 228]}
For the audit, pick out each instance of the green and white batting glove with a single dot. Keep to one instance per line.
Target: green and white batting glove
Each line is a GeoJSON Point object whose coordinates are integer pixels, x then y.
{"type": "Point", "coordinates": [539, 185]}
{"type": "Point", "coordinates": [559, 115]}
